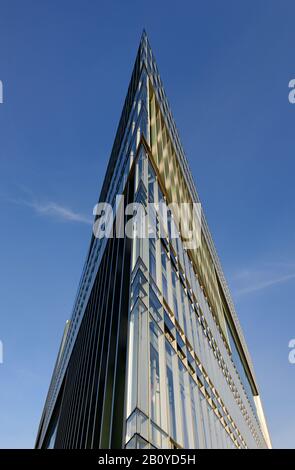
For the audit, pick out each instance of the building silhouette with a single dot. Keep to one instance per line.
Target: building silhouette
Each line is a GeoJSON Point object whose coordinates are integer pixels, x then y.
{"type": "Point", "coordinates": [153, 355]}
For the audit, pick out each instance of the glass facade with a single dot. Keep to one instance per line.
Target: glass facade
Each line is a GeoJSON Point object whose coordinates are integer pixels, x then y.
{"type": "Point", "coordinates": [185, 408]}
{"type": "Point", "coordinates": [185, 381]}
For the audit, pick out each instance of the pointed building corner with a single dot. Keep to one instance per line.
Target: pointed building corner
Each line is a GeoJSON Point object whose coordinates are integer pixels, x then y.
{"type": "Point", "coordinates": [144, 34]}
{"type": "Point", "coordinates": [152, 319]}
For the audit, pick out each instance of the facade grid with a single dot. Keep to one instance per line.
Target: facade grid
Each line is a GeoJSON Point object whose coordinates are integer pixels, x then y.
{"type": "Point", "coordinates": [153, 356]}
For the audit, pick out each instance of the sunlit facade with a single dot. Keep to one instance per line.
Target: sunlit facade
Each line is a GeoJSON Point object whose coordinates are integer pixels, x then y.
{"type": "Point", "coordinates": [153, 356]}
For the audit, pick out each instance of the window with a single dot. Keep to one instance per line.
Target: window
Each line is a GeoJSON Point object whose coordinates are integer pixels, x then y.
{"type": "Point", "coordinates": [183, 399]}
{"type": "Point", "coordinates": [170, 384]}
{"type": "Point", "coordinates": [162, 205]}
{"type": "Point", "coordinates": [164, 273]}
{"type": "Point", "coordinates": [155, 305]}
{"type": "Point", "coordinates": [194, 392]}
{"type": "Point", "coordinates": [151, 183]}
{"type": "Point", "coordinates": [182, 298]}
{"type": "Point", "coordinates": [240, 368]}
{"type": "Point", "coordinates": [140, 167]}
{"type": "Point", "coordinates": [205, 422]}
{"type": "Point", "coordinates": [155, 404]}
{"type": "Point", "coordinates": [174, 292]}
{"type": "Point", "coordinates": [152, 259]}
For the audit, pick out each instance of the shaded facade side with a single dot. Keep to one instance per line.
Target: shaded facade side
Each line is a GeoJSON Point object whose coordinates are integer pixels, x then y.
{"type": "Point", "coordinates": [89, 411]}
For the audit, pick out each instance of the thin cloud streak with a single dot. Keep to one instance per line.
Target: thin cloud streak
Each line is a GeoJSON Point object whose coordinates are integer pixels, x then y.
{"type": "Point", "coordinates": [52, 209]}
{"type": "Point", "coordinates": [263, 284]}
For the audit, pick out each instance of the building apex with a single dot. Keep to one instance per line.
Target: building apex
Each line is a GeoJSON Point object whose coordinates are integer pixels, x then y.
{"type": "Point", "coordinates": [144, 35]}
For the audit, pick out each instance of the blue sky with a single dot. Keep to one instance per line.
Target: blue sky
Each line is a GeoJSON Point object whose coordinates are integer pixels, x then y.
{"type": "Point", "coordinates": [65, 68]}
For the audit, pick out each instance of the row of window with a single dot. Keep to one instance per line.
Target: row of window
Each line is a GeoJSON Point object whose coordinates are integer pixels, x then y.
{"type": "Point", "coordinates": [157, 89]}
{"type": "Point", "coordinates": [178, 277]}
{"type": "Point", "coordinates": [197, 377]}
{"type": "Point", "coordinates": [188, 311]}
{"type": "Point", "coordinates": [196, 415]}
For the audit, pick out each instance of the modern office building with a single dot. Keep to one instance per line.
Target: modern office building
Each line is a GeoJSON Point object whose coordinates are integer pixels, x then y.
{"type": "Point", "coordinates": [154, 355]}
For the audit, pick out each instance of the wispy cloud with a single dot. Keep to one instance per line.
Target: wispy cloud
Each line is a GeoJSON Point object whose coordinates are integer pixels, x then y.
{"type": "Point", "coordinates": [247, 281]}
{"type": "Point", "coordinates": [264, 284]}
{"type": "Point", "coordinates": [55, 210]}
